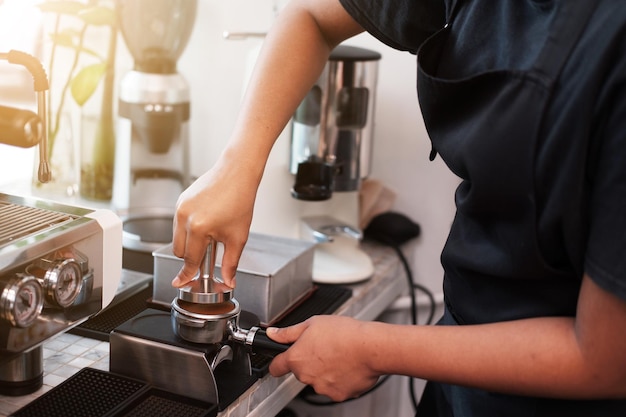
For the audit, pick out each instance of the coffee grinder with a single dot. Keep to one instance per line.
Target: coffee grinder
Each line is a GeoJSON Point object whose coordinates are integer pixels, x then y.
{"type": "Point", "coordinates": [331, 150]}
{"type": "Point", "coordinates": [152, 154]}
{"type": "Point", "coordinates": [331, 137]}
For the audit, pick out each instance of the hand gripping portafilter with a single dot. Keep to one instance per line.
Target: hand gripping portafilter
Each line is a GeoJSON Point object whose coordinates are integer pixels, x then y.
{"type": "Point", "coordinates": [206, 312]}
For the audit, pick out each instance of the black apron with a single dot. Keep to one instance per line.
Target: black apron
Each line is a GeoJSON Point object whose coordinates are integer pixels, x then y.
{"type": "Point", "coordinates": [486, 128]}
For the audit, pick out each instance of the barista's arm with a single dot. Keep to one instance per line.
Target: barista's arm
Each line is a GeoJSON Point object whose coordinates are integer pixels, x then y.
{"type": "Point", "coordinates": [581, 357]}
{"type": "Point", "coordinates": [219, 204]}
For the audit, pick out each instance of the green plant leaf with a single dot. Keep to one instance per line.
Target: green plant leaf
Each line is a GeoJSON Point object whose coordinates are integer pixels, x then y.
{"type": "Point", "coordinates": [69, 38]}
{"type": "Point", "coordinates": [98, 16]}
{"type": "Point", "coordinates": [92, 52]}
{"type": "Point", "coordinates": [62, 7]}
{"type": "Point", "coordinates": [65, 37]}
{"type": "Point", "coordinates": [86, 81]}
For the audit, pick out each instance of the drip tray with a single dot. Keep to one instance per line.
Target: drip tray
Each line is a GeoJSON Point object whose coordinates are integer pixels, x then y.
{"type": "Point", "coordinates": [96, 393]}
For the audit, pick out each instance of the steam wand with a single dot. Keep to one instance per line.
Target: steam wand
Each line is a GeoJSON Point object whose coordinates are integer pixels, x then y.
{"type": "Point", "coordinates": [34, 66]}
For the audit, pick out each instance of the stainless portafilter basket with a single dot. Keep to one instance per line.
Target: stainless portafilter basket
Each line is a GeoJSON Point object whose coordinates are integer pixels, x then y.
{"type": "Point", "coordinates": [206, 312]}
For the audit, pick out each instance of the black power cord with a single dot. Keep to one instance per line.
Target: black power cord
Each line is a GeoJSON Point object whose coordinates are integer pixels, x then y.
{"type": "Point", "coordinates": [394, 230]}
{"type": "Point", "coordinates": [309, 396]}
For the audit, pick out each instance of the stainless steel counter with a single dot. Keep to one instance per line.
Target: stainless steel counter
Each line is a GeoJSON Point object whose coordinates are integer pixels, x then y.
{"type": "Point", "coordinates": [67, 354]}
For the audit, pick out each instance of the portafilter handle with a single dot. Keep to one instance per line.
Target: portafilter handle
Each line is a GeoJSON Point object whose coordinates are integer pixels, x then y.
{"type": "Point", "coordinates": [257, 339]}
{"type": "Point", "coordinates": [262, 342]}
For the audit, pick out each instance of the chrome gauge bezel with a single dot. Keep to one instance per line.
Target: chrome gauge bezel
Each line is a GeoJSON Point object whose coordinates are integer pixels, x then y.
{"type": "Point", "coordinates": [59, 275]}
{"type": "Point", "coordinates": [15, 293]}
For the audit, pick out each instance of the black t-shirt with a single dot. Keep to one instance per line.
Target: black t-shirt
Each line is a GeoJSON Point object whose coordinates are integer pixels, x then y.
{"type": "Point", "coordinates": [580, 166]}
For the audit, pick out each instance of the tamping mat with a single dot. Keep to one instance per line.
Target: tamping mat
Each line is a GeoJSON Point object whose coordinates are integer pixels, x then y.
{"type": "Point", "coordinates": [95, 393]}
{"type": "Point", "coordinates": [326, 299]}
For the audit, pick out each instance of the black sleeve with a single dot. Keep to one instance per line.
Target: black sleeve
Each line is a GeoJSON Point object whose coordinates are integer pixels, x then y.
{"type": "Point", "coordinates": [606, 248]}
{"type": "Point", "coordinates": [400, 24]}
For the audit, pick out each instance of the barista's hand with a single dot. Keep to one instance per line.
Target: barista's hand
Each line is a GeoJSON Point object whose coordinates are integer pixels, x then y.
{"type": "Point", "coordinates": [217, 206]}
{"type": "Point", "coordinates": [330, 353]}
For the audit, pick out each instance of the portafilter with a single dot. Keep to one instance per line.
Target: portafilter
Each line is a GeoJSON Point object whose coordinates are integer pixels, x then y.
{"type": "Point", "coordinates": [205, 311]}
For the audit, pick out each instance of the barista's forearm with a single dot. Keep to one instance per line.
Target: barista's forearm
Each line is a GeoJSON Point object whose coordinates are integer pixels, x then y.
{"type": "Point", "coordinates": [291, 59]}
{"type": "Point", "coordinates": [538, 357]}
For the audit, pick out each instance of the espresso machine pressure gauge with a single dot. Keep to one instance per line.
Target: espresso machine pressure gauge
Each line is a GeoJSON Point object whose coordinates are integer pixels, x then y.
{"type": "Point", "coordinates": [21, 300]}
{"type": "Point", "coordinates": [61, 279]}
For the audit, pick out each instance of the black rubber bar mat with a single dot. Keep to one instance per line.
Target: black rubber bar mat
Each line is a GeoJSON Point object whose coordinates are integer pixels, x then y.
{"type": "Point", "coordinates": [102, 324]}
{"type": "Point", "coordinates": [155, 402]}
{"type": "Point", "coordinates": [95, 393]}
{"type": "Point", "coordinates": [326, 299]}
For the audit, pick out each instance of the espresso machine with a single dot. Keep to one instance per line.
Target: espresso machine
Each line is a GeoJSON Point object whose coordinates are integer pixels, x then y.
{"type": "Point", "coordinates": [331, 149]}
{"type": "Point", "coordinates": [59, 264]}
{"type": "Point", "coordinates": [152, 154]}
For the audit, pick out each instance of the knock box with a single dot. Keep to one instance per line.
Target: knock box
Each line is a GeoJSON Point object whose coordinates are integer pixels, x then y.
{"type": "Point", "coordinates": [274, 273]}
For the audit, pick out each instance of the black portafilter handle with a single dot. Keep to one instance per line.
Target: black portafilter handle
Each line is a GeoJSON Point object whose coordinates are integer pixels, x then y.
{"type": "Point", "coordinates": [261, 342]}
{"type": "Point", "coordinates": [256, 339]}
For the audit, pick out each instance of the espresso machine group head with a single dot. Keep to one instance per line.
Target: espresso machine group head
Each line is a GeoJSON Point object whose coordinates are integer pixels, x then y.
{"type": "Point", "coordinates": [152, 155]}
{"type": "Point", "coordinates": [331, 137]}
